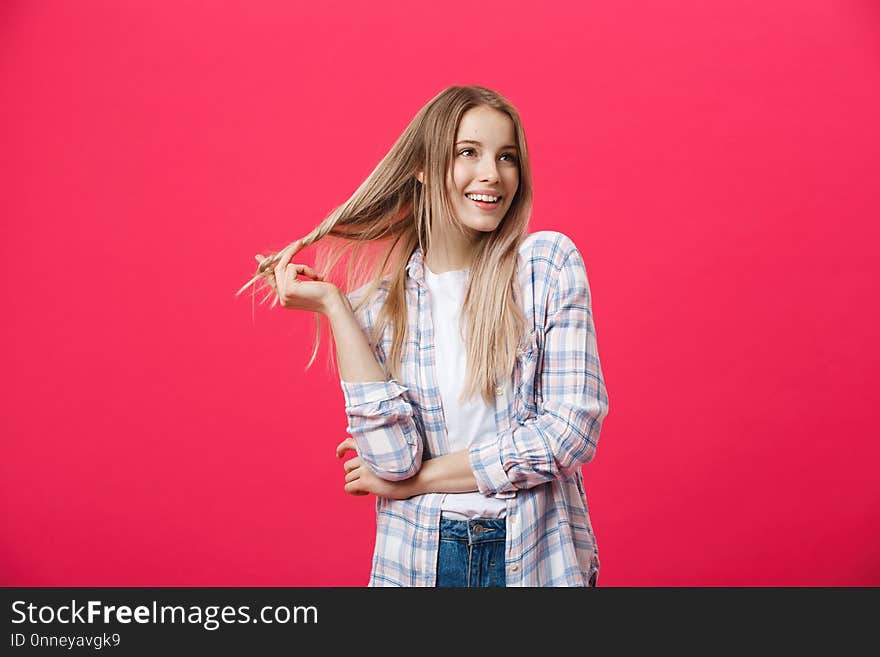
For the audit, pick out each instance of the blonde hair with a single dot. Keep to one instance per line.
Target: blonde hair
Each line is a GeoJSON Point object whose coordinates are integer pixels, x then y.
{"type": "Point", "coordinates": [396, 211]}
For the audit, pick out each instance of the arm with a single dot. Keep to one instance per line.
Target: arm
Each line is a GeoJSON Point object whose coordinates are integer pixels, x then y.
{"type": "Point", "coordinates": [379, 417]}
{"type": "Point", "coordinates": [564, 434]}
{"type": "Point", "coordinates": [450, 473]}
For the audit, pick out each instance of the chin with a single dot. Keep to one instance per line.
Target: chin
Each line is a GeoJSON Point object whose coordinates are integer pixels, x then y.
{"type": "Point", "coordinates": [481, 231]}
{"type": "Point", "coordinates": [484, 225]}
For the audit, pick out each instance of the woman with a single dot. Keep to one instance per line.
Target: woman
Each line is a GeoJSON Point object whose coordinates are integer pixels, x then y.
{"type": "Point", "coordinates": [468, 363]}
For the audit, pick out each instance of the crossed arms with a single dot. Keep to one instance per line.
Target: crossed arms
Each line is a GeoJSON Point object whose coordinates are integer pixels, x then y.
{"type": "Point", "coordinates": [550, 446]}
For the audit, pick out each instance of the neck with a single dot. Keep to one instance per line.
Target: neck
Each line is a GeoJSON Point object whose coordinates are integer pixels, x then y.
{"type": "Point", "coordinates": [450, 252]}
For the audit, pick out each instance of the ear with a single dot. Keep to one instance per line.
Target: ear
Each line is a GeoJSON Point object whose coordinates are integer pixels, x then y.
{"type": "Point", "coordinates": [420, 175]}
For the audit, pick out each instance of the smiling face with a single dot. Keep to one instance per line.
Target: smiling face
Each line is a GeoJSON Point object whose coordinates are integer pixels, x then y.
{"type": "Point", "coordinates": [485, 163]}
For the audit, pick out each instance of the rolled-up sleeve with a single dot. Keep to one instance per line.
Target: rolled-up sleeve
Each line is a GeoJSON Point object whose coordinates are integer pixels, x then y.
{"type": "Point", "coordinates": [564, 434]}
{"type": "Point", "coordinates": [380, 420]}
{"type": "Point", "coordinates": [380, 417]}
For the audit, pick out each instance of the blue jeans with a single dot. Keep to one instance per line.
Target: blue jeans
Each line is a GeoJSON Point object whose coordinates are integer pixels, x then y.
{"type": "Point", "coordinates": [471, 553]}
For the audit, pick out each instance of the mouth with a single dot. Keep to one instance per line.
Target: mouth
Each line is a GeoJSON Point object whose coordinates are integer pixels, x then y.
{"type": "Point", "coordinates": [485, 202]}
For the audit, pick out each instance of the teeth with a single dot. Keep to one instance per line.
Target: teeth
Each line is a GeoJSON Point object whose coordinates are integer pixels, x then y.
{"type": "Point", "coordinates": [484, 198]}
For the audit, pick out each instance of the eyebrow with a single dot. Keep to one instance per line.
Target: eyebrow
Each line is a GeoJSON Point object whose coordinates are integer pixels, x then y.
{"type": "Point", "coordinates": [471, 141]}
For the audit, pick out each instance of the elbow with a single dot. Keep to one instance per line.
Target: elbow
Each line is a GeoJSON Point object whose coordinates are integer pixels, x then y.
{"type": "Point", "coordinates": [580, 440]}
{"type": "Point", "coordinates": [587, 454]}
{"type": "Point", "coordinates": [398, 470]}
{"type": "Point", "coordinates": [401, 462]}
{"type": "Point", "coordinates": [572, 462]}
{"type": "Point", "coordinates": [389, 444]}
{"type": "Point", "coordinates": [556, 444]}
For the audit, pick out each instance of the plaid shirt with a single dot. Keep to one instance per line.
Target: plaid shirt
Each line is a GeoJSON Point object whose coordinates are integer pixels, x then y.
{"type": "Point", "coordinates": [548, 419]}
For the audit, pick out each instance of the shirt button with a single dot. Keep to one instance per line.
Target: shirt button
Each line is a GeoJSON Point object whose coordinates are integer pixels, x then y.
{"type": "Point", "coordinates": [514, 567]}
{"type": "Point", "coordinates": [499, 391]}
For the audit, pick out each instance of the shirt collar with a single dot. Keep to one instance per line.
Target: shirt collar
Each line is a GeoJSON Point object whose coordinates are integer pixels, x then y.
{"type": "Point", "coordinates": [416, 266]}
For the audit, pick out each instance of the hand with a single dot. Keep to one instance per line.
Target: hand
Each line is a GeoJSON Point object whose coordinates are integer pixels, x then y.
{"type": "Point", "coordinates": [360, 480]}
{"type": "Point", "coordinates": [299, 294]}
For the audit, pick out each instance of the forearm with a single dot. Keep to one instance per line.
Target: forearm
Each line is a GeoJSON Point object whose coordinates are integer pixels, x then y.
{"type": "Point", "coordinates": [450, 473]}
{"type": "Point", "coordinates": [380, 418]}
{"type": "Point", "coordinates": [355, 357]}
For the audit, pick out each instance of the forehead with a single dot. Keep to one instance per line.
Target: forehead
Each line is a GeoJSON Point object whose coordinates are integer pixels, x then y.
{"type": "Point", "coordinates": [486, 125]}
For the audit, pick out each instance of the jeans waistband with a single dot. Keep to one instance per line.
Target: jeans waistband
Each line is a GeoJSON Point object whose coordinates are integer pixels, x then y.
{"type": "Point", "coordinates": [473, 531]}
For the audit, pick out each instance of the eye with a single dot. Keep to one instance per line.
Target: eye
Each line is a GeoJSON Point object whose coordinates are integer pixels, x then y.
{"type": "Point", "coordinates": [511, 157]}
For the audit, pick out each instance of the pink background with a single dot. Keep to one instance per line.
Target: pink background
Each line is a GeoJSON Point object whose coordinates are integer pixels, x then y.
{"type": "Point", "coordinates": [716, 163]}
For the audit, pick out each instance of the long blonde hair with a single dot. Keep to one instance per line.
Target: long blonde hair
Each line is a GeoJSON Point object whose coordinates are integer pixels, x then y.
{"type": "Point", "coordinates": [396, 211]}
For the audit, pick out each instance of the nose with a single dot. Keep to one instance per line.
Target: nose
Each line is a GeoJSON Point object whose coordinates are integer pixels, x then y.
{"type": "Point", "coordinates": [488, 171]}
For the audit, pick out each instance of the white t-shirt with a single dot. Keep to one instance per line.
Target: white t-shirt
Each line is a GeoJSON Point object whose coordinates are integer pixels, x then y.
{"type": "Point", "coordinates": [466, 421]}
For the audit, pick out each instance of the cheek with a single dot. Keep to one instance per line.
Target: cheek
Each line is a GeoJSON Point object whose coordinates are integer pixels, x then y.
{"type": "Point", "coordinates": [460, 180]}
{"type": "Point", "coordinates": [512, 183]}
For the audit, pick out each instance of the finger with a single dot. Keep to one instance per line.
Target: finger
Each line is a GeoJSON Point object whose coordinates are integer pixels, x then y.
{"type": "Point", "coordinates": [289, 251]}
{"type": "Point", "coordinates": [355, 488]}
{"type": "Point", "coordinates": [351, 464]}
{"type": "Point", "coordinates": [354, 475]}
{"type": "Point", "coordinates": [344, 446]}
{"type": "Point", "coordinates": [292, 271]}
{"type": "Point", "coordinates": [304, 269]}
{"type": "Point", "coordinates": [281, 267]}
{"type": "Point", "coordinates": [289, 278]}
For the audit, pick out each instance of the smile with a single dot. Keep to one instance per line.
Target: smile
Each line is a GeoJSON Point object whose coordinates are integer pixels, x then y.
{"type": "Point", "coordinates": [484, 202]}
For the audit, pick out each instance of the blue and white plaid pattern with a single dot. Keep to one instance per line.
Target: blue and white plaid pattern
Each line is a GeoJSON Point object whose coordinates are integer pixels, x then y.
{"type": "Point", "coordinates": [549, 416]}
